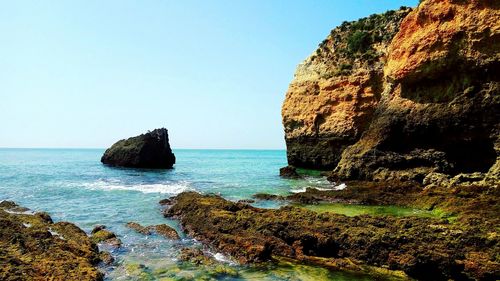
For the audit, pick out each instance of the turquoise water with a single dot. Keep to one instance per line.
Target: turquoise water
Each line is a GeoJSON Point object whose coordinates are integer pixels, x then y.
{"type": "Point", "coordinates": [72, 185]}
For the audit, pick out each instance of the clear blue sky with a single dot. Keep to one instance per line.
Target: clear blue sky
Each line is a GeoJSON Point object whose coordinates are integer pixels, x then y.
{"type": "Point", "coordinates": [87, 73]}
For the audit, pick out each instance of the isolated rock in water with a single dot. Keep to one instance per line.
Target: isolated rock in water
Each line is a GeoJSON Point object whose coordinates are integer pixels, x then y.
{"type": "Point", "coordinates": [400, 95]}
{"type": "Point", "coordinates": [289, 172]}
{"type": "Point", "coordinates": [32, 247]}
{"type": "Point", "coordinates": [150, 150]}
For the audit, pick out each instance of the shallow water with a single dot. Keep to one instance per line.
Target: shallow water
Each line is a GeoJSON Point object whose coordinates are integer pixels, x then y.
{"type": "Point", "coordinates": [356, 210]}
{"type": "Point", "coordinates": [72, 185]}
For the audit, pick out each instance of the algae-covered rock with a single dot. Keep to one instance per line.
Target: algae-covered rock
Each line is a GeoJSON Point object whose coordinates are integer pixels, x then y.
{"type": "Point", "coordinates": [102, 235]}
{"type": "Point", "coordinates": [160, 229]}
{"type": "Point", "coordinates": [32, 247]}
{"type": "Point", "coordinates": [422, 247]}
{"type": "Point", "coordinates": [150, 150]}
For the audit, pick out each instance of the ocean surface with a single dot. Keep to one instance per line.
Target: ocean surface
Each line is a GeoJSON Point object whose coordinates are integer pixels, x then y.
{"type": "Point", "coordinates": [72, 185]}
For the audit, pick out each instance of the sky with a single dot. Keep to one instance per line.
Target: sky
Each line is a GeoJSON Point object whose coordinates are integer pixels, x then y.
{"type": "Point", "coordinates": [85, 74]}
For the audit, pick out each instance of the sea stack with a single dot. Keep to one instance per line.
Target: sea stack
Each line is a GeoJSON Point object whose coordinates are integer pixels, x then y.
{"type": "Point", "coordinates": [150, 150]}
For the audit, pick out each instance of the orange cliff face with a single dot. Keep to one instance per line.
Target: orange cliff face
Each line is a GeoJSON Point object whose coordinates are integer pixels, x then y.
{"type": "Point", "coordinates": [335, 90]}
{"type": "Point", "coordinates": [445, 36]}
{"type": "Point", "coordinates": [431, 112]}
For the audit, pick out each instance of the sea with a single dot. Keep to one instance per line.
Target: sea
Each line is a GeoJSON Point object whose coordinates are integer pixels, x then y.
{"type": "Point", "coordinates": [73, 185]}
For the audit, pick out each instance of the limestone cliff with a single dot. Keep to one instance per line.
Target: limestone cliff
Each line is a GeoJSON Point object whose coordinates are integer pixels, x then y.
{"type": "Point", "coordinates": [336, 90]}
{"type": "Point", "coordinates": [436, 111]}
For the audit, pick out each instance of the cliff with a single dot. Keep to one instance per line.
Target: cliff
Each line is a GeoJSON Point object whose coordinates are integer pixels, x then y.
{"type": "Point", "coordinates": [420, 102]}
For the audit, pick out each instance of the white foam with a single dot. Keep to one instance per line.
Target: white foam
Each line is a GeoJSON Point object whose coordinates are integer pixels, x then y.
{"type": "Point", "coordinates": [54, 233]}
{"type": "Point", "coordinates": [221, 258]}
{"type": "Point", "coordinates": [337, 187]}
{"type": "Point", "coordinates": [169, 188]}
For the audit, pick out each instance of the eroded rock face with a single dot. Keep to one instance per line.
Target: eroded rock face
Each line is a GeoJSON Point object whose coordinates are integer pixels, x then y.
{"type": "Point", "coordinates": [439, 112]}
{"type": "Point", "coordinates": [32, 247]}
{"type": "Point", "coordinates": [336, 90]}
{"type": "Point", "coordinates": [437, 101]}
{"type": "Point", "coordinates": [150, 150]}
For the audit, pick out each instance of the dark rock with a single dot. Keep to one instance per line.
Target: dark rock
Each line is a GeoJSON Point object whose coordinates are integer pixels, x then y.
{"type": "Point", "coordinates": [98, 228]}
{"type": "Point", "coordinates": [106, 258]}
{"type": "Point", "coordinates": [165, 231]}
{"type": "Point", "coordinates": [289, 172]}
{"type": "Point", "coordinates": [165, 201]}
{"type": "Point", "coordinates": [267, 196]}
{"type": "Point", "coordinates": [44, 216]}
{"type": "Point", "coordinates": [150, 150]}
{"type": "Point", "coordinates": [196, 256]}
{"type": "Point", "coordinates": [246, 201]}
{"type": "Point", "coordinates": [32, 247]}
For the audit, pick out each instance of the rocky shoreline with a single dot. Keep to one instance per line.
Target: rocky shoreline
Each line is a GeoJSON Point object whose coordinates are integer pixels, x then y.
{"type": "Point", "coordinates": [462, 245]}
{"type": "Point", "coordinates": [33, 247]}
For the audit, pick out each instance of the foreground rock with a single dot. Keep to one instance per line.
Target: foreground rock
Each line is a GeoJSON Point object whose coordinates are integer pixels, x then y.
{"type": "Point", "coordinates": [34, 248]}
{"type": "Point", "coordinates": [424, 248]}
{"type": "Point", "coordinates": [433, 108]}
{"type": "Point", "coordinates": [150, 150]}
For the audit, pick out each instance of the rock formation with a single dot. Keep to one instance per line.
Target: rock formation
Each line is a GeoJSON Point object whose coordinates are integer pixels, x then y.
{"type": "Point", "coordinates": [150, 150]}
{"type": "Point", "coordinates": [424, 248]}
{"type": "Point", "coordinates": [336, 90]}
{"type": "Point", "coordinates": [434, 111]}
{"type": "Point", "coordinates": [32, 247]}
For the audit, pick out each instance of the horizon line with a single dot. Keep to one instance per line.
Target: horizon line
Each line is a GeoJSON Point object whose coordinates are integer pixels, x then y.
{"type": "Point", "coordinates": [178, 148]}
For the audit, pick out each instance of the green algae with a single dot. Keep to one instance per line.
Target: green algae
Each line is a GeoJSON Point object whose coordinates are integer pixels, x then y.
{"type": "Point", "coordinates": [352, 210]}
{"type": "Point", "coordinates": [281, 269]}
{"type": "Point", "coordinates": [309, 172]}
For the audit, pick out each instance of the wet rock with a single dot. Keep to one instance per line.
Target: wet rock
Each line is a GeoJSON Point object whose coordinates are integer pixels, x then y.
{"type": "Point", "coordinates": [165, 231]}
{"type": "Point", "coordinates": [106, 257]}
{"type": "Point", "coordinates": [289, 172]}
{"type": "Point", "coordinates": [246, 201]}
{"type": "Point", "coordinates": [98, 228]}
{"type": "Point", "coordinates": [138, 228]}
{"type": "Point", "coordinates": [44, 216]}
{"type": "Point", "coordinates": [150, 150]}
{"type": "Point", "coordinates": [267, 196]}
{"type": "Point", "coordinates": [105, 236]}
{"type": "Point", "coordinates": [160, 229]}
{"type": "Point", "coordinates": [165, 201]}
{"type": "Point", "coordinates": [196, 256]}
{"type": "Point", "coordinates": [32, 247]}
{"type": "Point", "coordinates": [423, 248]}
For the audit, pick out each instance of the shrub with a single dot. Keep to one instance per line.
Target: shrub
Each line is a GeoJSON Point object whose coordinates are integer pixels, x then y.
{"type": "Point", "coordinates": [359, 41]}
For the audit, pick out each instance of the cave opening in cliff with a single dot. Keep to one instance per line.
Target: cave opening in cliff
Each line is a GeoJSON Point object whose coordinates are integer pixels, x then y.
{"type": "Point", "coordinates": [471, 156]}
